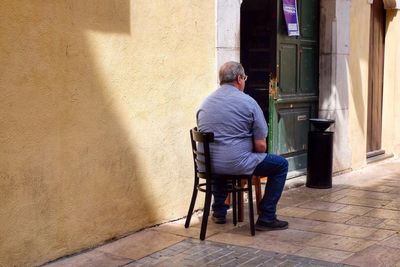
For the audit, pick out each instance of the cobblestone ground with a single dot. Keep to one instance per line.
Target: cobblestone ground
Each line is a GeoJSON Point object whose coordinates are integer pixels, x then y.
{"type": "Point", "coordinates": [196, 253]}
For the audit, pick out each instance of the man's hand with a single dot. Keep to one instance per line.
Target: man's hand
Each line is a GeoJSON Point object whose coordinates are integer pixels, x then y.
{"type": "Point", "coordinates": [260, 146]}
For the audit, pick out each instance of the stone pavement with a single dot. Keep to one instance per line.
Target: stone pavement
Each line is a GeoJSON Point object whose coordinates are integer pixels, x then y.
{"type": "Point", "coordinates": [356, 222]}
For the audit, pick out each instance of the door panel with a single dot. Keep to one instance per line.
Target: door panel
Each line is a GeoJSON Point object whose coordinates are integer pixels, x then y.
{"type": "Point", "coordinates": [286, 127]}
{"type": "Point", "coordinates": [287, 69]}
{"type": "Point", "coordinates": [292, 122]}
{"type": "Point", "coordinates": [294, 97]}
{"type": "Point", "coordinates": [308, 71]}
{"type": "Point", "coordinates": [308, 16]}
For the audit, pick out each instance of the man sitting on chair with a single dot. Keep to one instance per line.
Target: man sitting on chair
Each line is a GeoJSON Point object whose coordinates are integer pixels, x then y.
{"type": "Point", "coordinates": [240, 132]}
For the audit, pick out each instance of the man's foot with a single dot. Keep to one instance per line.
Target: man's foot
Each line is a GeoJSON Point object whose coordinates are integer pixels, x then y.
{"type": "Point", "coordinates": [219, 219]}
{"type": "Point", "coordinates": [272, 225]}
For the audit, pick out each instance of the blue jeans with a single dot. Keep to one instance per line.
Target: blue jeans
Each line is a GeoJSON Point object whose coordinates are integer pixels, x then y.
{"type": "Point", "coordinates": [273, 166]}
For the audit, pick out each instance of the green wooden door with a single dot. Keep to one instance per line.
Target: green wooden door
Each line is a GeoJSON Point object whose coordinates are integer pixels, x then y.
{"type": "Point", "coordinates": [283, 72]}
{"type": "Point", "coordinates": [293, 92]}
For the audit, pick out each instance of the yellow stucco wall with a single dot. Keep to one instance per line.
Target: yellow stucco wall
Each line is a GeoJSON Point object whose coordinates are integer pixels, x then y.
{"type": "Point", "coordinates": [358, 83]}
{"type": "Point", "coordinates": [96, 101]}
{"type": "Point", "coordinates": [358, 80]}
{"type": "Point", "coordinates": [391, 87]}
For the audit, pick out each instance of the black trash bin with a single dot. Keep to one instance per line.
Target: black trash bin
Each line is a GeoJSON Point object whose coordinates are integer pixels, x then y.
{"type": "Point", "coordinates": [320, 154]}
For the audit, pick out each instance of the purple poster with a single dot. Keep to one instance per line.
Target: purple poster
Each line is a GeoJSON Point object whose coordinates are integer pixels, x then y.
{"type": "Point", "coordinates": [290, 11]}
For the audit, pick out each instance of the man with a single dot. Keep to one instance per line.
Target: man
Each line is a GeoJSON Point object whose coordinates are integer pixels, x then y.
{"type": "Point", "coordinates": [240, 132]}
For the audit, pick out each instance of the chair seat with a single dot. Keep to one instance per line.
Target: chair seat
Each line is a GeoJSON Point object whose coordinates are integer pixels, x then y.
{"type": "Point", "coordinates": [229, 179]}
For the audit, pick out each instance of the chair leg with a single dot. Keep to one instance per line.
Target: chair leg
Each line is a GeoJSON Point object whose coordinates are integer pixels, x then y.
{"type": "Point", "coordinates": [228, 200]}
{"type": "Point", "coordinates": [240, 202]}
{"type": "Point", "coordinates": [251, 210]}
{"type": "Point", "coordinates": [192, 203]}
{"type": "Point", "coordinates": [257, 185]}
{"type": "Point", "coordinates": [234, 202]}
{"type": "Point", "coordinates": [206, 212]}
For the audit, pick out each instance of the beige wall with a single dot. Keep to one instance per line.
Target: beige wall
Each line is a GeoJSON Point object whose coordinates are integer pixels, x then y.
{"type": "Point", "coordinates": [358, 68]}
{"type": "Point", "coordinates": [96, 101]}
{"type": "Point", "coordinates": [391, 91]}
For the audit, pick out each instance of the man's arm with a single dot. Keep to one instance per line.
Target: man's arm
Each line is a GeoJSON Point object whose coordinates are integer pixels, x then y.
{"type": "Point", "coordinates": [260, 146]}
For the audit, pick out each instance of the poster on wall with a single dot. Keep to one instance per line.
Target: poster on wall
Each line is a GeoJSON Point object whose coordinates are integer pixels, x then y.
{"type": "Point", "coordinates": [292, 22]}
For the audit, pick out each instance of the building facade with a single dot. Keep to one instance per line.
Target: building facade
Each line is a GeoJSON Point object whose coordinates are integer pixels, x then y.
{"type": "Point", "coordinates": [356, 61]}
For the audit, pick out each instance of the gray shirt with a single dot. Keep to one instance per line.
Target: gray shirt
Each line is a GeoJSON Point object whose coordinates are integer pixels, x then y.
{"type": "Point", "coordinates": [235, 119]}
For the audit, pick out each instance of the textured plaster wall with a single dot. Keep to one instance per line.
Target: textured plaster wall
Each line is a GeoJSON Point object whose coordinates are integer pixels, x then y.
{"type": "Point", "coordinates": [358, 80]}
{"type": "Point", "coordinates": [391, 87]}
{"type": "Point", "coordinates": [96, 101]}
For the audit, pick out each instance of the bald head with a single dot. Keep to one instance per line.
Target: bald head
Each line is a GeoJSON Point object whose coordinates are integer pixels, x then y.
{"type": "Point", "coordinates": [229, 72]}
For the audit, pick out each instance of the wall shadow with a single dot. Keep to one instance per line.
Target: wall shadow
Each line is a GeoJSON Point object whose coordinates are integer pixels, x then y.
{"type": "Point", "coordinates": [70, 176]}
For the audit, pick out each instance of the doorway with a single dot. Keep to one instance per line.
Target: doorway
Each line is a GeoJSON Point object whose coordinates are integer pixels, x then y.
{"type": "Point", "coordinates": [283, 73]}
{"type": "Point", "coordinates": [375, 80]}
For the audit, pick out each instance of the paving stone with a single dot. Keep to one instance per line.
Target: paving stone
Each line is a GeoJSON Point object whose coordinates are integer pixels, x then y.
{"type": "Point", "coordinates": [366, 221]}
{"type": "Point", "coordinates": [375, 256]}
{"type": "Point", "coordinates": [381, 234]}
{"type": "Point", "coordinates": [389, 225]}
{"type": "Point", "coordinates": [178, 229]}
{"type": "Point", "coordinates": [92, 258]}
{"type": "Point", "coordinates": [384, 213]}
{"type": "Point", "coordinates": [392, 182]}
{"type": "Point", "coordinates": [141, 244]}
{"type": "Point", "coordinates": [344, 230]}
{"type": "Point", "coordinates": [324, 254]}
{"type": "Point", "coordinates": [257, 260]}
{"type": "Point", "coordinates": [295, 212]}
{"type": "Point", "coordinates": [393, 205]}
{"type": "Point", "coordinates": [277, 246]}
{"type": "Point", "coordinates": [378, 188]}
{"type": "Point", "coordinates": [343, 243]}
{"type": "Point", "coordinates": [329, 216]}
{"type": "Point", "coordinates": [273, 262]}
{"type": "Point", "coordinates": [381, 196]}
{"type": "Point", "coordinates": [226, 256]}
{"type": "Point", "coordinates": [289, 202]}
{"type": "Point", "coordinates": [362, 201]}
{"type": "Point", "coordinates": [355, 210]}
{"type": "Point", "coordinates": [301, 223]}
{"type": "Point", "coordinates": [333, 197]}
{"type": "Point", "coordinates": [393, 241]}
{"type": "Point", "coordinates": [292, 236]}
{"type": "Point", "coordinates": [231, 238]}
{"type": "Point", "coordinates": [288, 263]}
{"type": "Point", "coordinates": [322, 205]}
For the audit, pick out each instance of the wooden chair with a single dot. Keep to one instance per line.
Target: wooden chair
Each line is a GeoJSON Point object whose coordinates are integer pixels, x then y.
{"type": "Point", "coordinates": [257, 186]}
{"type": "Point", "coordinates": [202, 170]}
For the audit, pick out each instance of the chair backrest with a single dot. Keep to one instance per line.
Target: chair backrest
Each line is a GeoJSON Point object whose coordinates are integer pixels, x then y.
{"type": "Point", "coordinates": [201, 152]}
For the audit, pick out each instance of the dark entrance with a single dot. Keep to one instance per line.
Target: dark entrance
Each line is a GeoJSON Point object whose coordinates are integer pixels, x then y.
{"type": "Point", "coordinates": [375, 82]}
{"type": "Point", "coordinates": [283, 72]}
